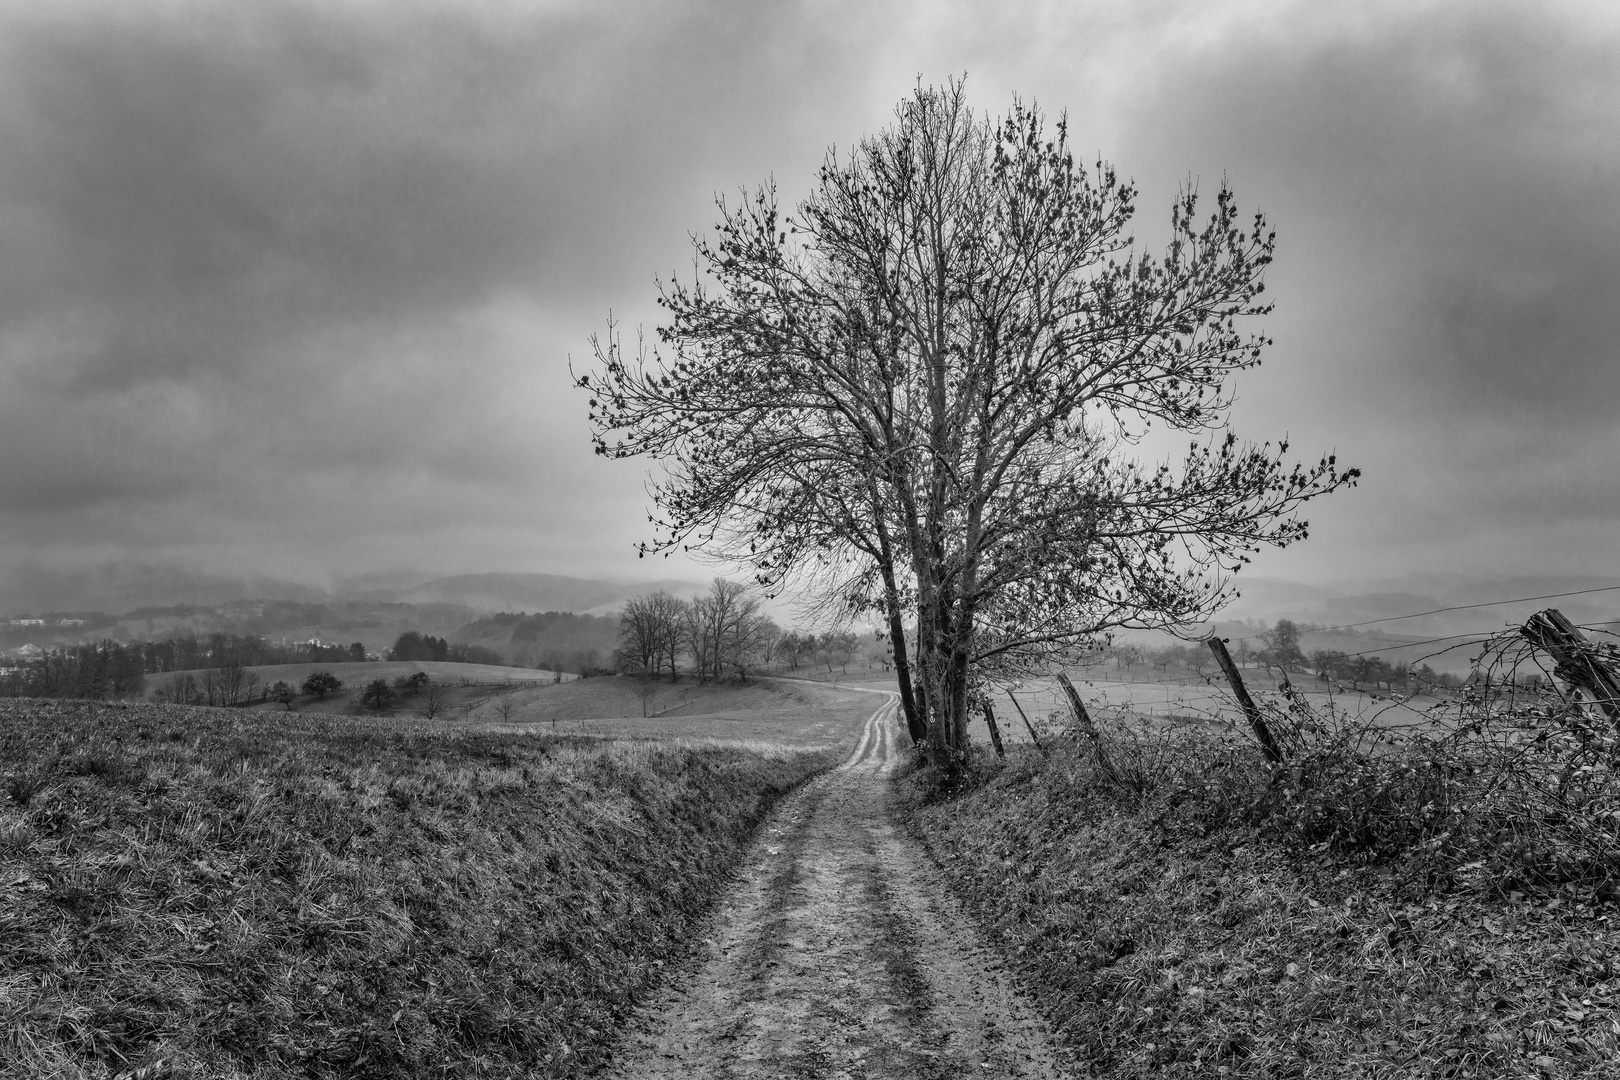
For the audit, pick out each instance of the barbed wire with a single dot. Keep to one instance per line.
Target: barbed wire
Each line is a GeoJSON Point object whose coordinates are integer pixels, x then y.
{"type": "Point", "coordinates": [1461, 607]}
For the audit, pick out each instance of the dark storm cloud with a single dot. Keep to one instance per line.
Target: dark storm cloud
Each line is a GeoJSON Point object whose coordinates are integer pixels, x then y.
{"type": "Point", "coordinates": [293, 285]}
{"type": "Point", "coordinates": [1466, 160]}
{"type": "Point", "coordinates": [1444, 180]}
{"type": "Point", "coordinates": [215, 181]}
{"type": "Point", "coordinates": [274, 255]}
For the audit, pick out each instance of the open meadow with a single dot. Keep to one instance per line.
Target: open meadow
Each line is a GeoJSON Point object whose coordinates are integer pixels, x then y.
{"type": "Point", "coordinates": [206, 892]}
{"type": "Point", "coordinates": [1188, 699]}
{"type": "Point", "coordinates": [800, 715]}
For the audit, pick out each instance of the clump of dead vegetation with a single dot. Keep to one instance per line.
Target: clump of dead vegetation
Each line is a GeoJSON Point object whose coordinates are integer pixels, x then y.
{"type": "Point", "coordinates": [202, 893]}
{"type": "Point", "coordinates": [1398, 896]}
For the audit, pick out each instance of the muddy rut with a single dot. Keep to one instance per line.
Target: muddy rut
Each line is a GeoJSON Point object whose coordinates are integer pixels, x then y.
{"type": "Point", "coordinates": [837, 956]}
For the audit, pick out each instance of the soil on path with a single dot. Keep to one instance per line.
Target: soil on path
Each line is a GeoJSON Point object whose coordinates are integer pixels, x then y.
{"type": "Point", "coordinates": [837, 955]}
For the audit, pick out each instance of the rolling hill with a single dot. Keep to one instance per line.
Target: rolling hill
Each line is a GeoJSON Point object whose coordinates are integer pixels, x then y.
{"type": "Point", "coordinates": [536, 592]}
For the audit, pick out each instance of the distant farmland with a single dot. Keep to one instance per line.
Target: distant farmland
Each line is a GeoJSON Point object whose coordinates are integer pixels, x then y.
{"type": "Point", "coordinates": [457, 687]}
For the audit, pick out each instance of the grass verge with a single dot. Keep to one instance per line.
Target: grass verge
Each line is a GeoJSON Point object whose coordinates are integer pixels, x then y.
{"type": "Point", "coordinates": [1184, 914]}
{"type": "Point", "coordinates": [207, 893]}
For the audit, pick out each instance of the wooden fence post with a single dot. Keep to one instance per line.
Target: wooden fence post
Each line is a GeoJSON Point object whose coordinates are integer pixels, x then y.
{"type": "Point", "coordinates": [1036, 739]}
{"type": "Point", "coordinates": [1083, 718]}
{"type": "Point", "coordinates": [995, 732]}
{"type": "Point", "coordinates": [1576, 662]}
{"type": "Point", "coordinates": [1268, 745]}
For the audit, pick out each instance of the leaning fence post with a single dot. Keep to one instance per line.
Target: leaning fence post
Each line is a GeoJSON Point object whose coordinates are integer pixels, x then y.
{"type": "Point", "coordinates": [1036, 739]}
{"type": "Point", "coordinates": [1576, 662]}
{"type": "Point", "coordinates": [995, 732]}
{"type": "Point", "coordinates": [1083, 718]}
{"type": "Point", "coordinates": [1268, 745]}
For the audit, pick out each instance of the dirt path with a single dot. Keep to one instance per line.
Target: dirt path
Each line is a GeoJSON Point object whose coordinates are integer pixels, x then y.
{"type": "Point", "coordinates": [833, 957]}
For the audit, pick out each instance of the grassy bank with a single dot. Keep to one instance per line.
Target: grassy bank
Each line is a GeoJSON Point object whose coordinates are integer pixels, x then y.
{"type": "Point", "coordinates": [1183, 912]}
{"type": "Point", "coordinates": [196, 892]}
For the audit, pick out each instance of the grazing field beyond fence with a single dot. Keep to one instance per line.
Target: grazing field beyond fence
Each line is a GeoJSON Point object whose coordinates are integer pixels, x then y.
{"type": "Point", "coordinates": [205, 893]}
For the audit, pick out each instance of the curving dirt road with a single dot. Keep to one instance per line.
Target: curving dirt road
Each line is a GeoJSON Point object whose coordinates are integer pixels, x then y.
{"type": "Point", "coordinates": [837, 956]}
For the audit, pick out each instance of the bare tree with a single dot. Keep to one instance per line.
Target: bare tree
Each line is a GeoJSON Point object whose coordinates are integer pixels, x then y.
{"type": "Point", "coordinates": [739, 629]}
{"type": "Point", "coordinates": [922, 391]}
{"type": "Point", "coordinates": [640, 648]}
{"type": "Point", "coordinates": [767, 635]}
{"type": "Point", "coordinates": [181, 690]}
{"type": "Point", "coordinates": [790, 649]}
{"type": "Point", "coordinates": [668, 614]}
{"type": "Point", "coordinates": [701, 631]}
{"type": "Point", "coordinates": [434, 696]}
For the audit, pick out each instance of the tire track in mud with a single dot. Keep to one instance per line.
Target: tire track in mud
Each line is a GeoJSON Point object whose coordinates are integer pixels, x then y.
{"type": "Point", "coordinates": [837, 955]}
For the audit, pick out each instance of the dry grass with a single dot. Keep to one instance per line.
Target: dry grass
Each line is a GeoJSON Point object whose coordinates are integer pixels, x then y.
{"type": "Point", "coordinates": [1437, 906]}
{"type": "Point", "coordinates": [203, 893]}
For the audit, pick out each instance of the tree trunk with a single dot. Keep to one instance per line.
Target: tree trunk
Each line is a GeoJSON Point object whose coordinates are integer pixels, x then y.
{"type": "Point", "coordinates": [916, 724]}
{"type": "Point", "coordinates": [959, 696]}
{"type": "Point", "coordinates": [933, 676]}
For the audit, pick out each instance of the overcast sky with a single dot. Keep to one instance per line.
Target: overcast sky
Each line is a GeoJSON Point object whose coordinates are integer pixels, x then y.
{"type": "Point", "coordinates": [292, 288]}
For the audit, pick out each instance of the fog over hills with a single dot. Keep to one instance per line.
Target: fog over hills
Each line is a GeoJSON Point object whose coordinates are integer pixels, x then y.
{"type": "Point", "coordinates": [117, 587]}
{"type": "Point", "coordinates": [1480, 598]}
{"type": "Point", "coordinates": [120, 587]}
{"type": "Point", "coordinates": [536, 592]}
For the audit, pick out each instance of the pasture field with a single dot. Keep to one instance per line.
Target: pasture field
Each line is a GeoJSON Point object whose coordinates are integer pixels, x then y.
{"type": "Point", "coordinates": [1189, 699]}
{"type": "Point", "coordinates": [800, 715]}
{"type": "Point", "coordinates": [205, 892]}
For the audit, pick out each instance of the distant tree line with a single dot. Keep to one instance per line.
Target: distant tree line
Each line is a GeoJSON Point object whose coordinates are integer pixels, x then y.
{"type": "Point", "coordinates": [412, 645]}
{"type": "Point", "coordinates": [115, 669]}
{"type": "Point", "coordinates": [551, 640]}
{"type": "Point", "coordinates": [188, 652]}
{"type": "Point", "coordinates": [829, 649]}
{"type": "Point", "coordinates": [565, 641]}
{"type": "Point", "coordinates": [102, 669]}
{"type": "Point", "coordinates": [1279, 649]}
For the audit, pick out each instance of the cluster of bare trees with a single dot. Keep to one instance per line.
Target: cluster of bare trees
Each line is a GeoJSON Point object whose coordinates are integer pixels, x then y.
{"type": "Point", "coordinates": [722, 633]}
{"type": "Point", "coordinates": [832, 649]}
{"type": "Point", "coordinates": [228, 683]}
